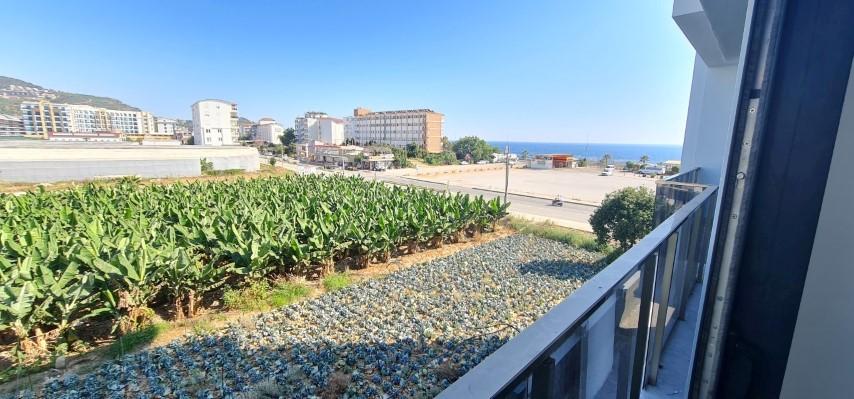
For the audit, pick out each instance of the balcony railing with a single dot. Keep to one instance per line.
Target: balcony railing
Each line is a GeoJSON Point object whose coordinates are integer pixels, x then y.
{"type": "Point", "coordinates": [606, 339]}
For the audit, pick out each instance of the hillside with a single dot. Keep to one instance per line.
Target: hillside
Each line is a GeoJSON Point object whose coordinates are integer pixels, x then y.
{"type": "Point", "coordinates": [33, 92]}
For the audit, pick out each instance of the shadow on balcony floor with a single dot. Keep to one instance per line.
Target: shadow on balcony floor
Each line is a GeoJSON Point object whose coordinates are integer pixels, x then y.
{"type": "Point", "coordinates": [676, 358]}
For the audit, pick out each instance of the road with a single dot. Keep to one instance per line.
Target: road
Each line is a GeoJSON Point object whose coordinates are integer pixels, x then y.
{"type": "Point", "coordinates": [570, 214]}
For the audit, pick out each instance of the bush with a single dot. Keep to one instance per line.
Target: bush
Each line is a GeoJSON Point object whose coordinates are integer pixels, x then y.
{"type": "Point", "coordinates": [207, 166]}
{"type": "Point", "coordinates": [262, 296]}
{"type": "Point", "coordinates": [624, 217]}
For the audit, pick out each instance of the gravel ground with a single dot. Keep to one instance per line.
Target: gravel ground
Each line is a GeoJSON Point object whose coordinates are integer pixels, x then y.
{"type": "Point", "coordinates": [405, 335]}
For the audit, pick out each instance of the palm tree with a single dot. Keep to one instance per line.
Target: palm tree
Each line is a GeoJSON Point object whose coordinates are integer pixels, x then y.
{"type": "Point", "coordinates": [606, 159]}
{"type": "Point", "coordinates": [644, 159]}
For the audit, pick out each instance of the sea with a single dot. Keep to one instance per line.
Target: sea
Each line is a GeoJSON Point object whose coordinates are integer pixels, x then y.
{"type": "Point", "coordinates": [595, 151]}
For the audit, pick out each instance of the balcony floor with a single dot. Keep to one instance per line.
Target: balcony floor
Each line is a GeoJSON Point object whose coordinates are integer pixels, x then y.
{"type": "Point", "coordinates": [676, 358]}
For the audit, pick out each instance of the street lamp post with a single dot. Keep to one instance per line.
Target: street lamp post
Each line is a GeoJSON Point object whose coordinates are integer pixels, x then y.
{"type": "Point", "coordinates": [506, 171]}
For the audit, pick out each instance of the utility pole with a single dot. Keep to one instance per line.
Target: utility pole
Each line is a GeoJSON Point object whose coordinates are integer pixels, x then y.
{"type": "Point", "coordinates": [506, 171]}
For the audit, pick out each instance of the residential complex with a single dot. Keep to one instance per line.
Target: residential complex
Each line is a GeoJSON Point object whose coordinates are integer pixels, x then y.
{"type": "Point", "coordinates": [397, 129]}
{"type": "Point", "coordinates": [11, 125]}
{"type": "Point", "coordinates": [46, 118]}
{"type": "Point", "coordinates": [268, 130]}
{"type": "Point", "coordinates": [215, 123]}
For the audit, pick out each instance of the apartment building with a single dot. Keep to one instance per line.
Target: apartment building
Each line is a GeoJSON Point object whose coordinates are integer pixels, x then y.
{"type": "Point", "coordinates": [11, 126]}
{"type": "Point", "coordinates": [44, 118]}
{"type": "Point", "coordinates": [270, 131]}
{"type": "Point", "coordinates": [307, 127]}
{"type": "Point", "coordinates": [165, 127]}
{"type": "Point", "coordinates": [331, 130]}
{"type": "Point", "coordinates": [422, 127]}
{"type": "Point", "coordinates": [215, 123]}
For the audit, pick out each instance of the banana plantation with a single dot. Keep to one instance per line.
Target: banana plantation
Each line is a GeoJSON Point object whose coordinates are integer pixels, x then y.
{"type": "Point", "coordinates": [111, 252]}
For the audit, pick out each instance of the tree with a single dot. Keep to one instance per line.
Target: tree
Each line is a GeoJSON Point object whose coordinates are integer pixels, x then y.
{"type": "Point", "coordinates": [606, 159]}
{"type": "Point", "coordinates": [446, 145]}
{"type": "Point", "coordinates": [524, 154]}
{"type": "Point", "coordinates": [475, 147]}
{"type": "Point", "coordinates": [400, 158]}
{"type": "Point", "coordinates": [630, 165]}
{"type": "Point", "coordinates": [625, 216]}
{"type": "Point", "coordinates": [415, 151]}
{"type": "Point", "coordinates": [288, 137]}
{"type": "Point", "coordinates": [644, 159]}
{"type": "Point", "coordinates": [272, 161]}
{"type": "Point", "coordinates": [582, 162]}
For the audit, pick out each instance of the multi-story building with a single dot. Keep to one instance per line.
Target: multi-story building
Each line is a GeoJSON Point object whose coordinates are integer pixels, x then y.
{"type": "Point", "coordinates": [11, 126]}
{"type": "Point", "coordinates": [247, 129]}
{"type": "Point", "coordinates": [397, 129]}
{"type": "Point", "coordinates": [234, 121]}
{"type": "Point", "coordinates": [269, 131]}
{"type": "Point", "coordinates": [165, 127]}
{"type": "Point", "coordinates": [307, 127]}
{"type": "Point", "coordinates": [44, 118]}
{"type": "Point", "coordinates": [215, 123]}
{"type": "Point", "coordinates": [331, 130]}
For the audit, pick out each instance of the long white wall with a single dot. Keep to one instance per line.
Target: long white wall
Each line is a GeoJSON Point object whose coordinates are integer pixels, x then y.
{"type": "Point", "coordinates": [708, 129]}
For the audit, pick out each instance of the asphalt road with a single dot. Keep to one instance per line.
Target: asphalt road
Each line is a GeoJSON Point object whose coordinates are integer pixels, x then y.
{"type": "Point", "coordinates": [572, 214]}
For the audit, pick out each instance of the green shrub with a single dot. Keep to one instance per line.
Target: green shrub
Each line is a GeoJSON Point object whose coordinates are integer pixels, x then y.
{"type": "Point", "coordinates": [336, 281]}
{"type": "Point", "coordinates": [624, 217]}
{"type": "Point", "coordinates": [207, 166]}
{"type": "Point", "coordinates": [261, 295]}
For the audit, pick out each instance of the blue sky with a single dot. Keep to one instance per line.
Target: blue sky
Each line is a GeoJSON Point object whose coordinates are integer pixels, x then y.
{"type": "Point", "coordinates": [603, 71]}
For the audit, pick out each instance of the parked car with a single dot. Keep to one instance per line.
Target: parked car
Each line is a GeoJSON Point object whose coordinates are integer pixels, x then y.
{"type": "Point", "coordinates": [464, 163]}
{"type": "Point", "coordinates": [483, 162]}
{"type": "Point", "coordinates": [608, 171]}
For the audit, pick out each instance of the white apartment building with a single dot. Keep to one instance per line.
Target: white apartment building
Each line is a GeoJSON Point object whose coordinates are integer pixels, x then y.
{"type": "Point", "coordinates": [44, 118]}
{"type": "Point", "coordinates": [11, 126]}
{"type": "Point", "coordinates": [331, 130]}
{"type": "Point", "coordinates": [269, 131]}
{"type": "Point", "coordinates": [307, 127]}
{"type": "Point", "coordinates": [215, 123]}
{"type": "Point", "coordinates": [397, 129]}
{"type": "Point", "coordinates": [165, 127]}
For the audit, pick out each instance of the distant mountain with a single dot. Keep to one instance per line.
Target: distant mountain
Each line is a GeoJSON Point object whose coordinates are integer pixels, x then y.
{"type": "Point", "coordinates": [15, 91]}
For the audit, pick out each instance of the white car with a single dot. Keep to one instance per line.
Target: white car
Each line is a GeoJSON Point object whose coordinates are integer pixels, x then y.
{"type": "Point", "coordinates": [483, 162]}
{"type": "Point", "coordinates": [464, 163]}
{"type": "Point", "coordinates": [608, 171]}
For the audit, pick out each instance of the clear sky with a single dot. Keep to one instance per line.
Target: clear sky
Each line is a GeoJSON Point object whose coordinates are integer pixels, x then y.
{"type": "Point", "coordinates": [602, 71]}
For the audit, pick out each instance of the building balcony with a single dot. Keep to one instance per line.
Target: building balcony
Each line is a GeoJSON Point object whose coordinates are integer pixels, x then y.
{"type": "Point", "coordinates": [625, 332]}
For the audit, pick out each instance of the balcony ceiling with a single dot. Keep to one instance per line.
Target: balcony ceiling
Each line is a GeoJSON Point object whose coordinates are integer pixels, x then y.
{"type": "Point", "coordinates": [714, 28]}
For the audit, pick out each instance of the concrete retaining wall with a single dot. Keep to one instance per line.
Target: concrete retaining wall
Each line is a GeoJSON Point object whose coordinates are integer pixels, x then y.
{"type": "Point", "coordinates": [45, 162]}
{"type": "Point", "coordinates": [53, 171]}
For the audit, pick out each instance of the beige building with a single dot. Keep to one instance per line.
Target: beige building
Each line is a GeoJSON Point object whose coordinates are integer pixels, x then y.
{"type": "Point", "coordinates": [397, 129]}
{"type": "Point", "coordinates": [43, 118]}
